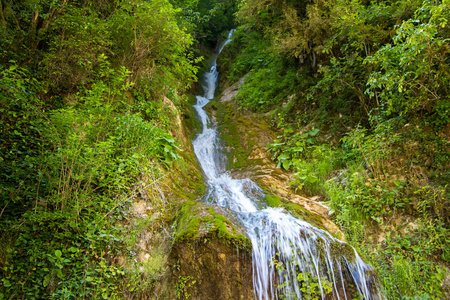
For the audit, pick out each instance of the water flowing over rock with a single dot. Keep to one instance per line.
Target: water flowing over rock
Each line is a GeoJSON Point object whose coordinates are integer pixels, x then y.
{"type": "Point", "coordinates": [291, 258]}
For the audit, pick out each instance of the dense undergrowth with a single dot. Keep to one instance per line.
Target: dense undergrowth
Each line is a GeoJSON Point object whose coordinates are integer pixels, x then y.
{"type": "Point", "coordinates": [90, 101]}
{"type": "Point", "coordinates": [359, 93]}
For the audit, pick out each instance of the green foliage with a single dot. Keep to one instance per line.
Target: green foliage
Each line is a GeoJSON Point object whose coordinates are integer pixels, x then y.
{"type": "Point", "coordinates": [254, 53]}
{"type": "Point", "coordinates": [291, 146]}
{"type": "Point", "coordinates": [259, 13]}
{"type": "Point", "coordinates": [343, 81]}
{"type": "Point", "coordinates": [183, 284]}
{"type": "Point", "coordinates": [311, 286]}
{"type": "Point", "coordinates": [404, 269]}
{"type": "Point", "coordinates": [206, 19]}
{"type": "Point", "coordinates": [64, 40]}
{"type": "Point", "coordinates": [138, 136]}
{"type": "Point", "coordinates": [266, 87]}
{"type": "Point", "coordinates": [78, 40]}
{"type": "Point", "coordinates": [90, 160]}
{"type": "Point", "coordinates": [376, 148]}
{"type": "Point", "coordinates": [371, 199]}
{"type": "Point", "coordinates": [310, 174]}
{"type": "Point", "coordinates": [21, 138]}
{"type": "Point", "coordinates": [408, 72]}
{"type": "Point", "coordinates": [402, 260]}
{"type": "Point", "coordinates": [157, 55]}
{"type": "Point", "coordinates": [85, 130]}
{"type": "Point", "coordinates": [269, 77]}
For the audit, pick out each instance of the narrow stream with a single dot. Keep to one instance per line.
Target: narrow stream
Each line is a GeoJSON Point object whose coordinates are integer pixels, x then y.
{"type": "Point", "coordinates": [291, 258]}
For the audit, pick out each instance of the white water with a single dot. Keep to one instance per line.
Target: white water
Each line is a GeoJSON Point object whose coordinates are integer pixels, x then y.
{"type": "Point", "coordinates": [291, 258]}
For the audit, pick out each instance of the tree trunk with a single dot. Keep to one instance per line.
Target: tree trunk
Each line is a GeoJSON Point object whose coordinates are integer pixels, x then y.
{"type": "Point", "coordinates": [2, 17]}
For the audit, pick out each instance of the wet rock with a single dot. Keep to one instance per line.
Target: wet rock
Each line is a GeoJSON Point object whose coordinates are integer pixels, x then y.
{"type": "Point", "coordinates": [211, 269]}
{"type": "Point", "coordinates": [210, 257]}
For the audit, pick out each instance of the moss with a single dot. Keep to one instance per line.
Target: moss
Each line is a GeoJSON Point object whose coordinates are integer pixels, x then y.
{"type": "Point", "coordinates": [190, 121]}
{"type": "Point", "coordinates": [187, 226]}
{"type": "Point", "coordinates": [187, 168]}
{"type": "Point", "coordinates": [185, 179]}
{"type": "Point", "coordinates": [229, 123]}
{"type": "Point", "coordinates": [197, 220]}
{"type": "Point", "coordinates": [273, 201]}
{"type": "Point", "coordinates": [295, 209]}
{"type": "Point", "coordinates": [338, 249]}
{"type": "Point", "coordinates": [300, 212]}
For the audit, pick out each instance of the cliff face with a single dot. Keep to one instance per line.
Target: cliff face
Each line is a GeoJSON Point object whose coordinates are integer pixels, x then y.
{"type": "Point", "coordinates": [209, 268]}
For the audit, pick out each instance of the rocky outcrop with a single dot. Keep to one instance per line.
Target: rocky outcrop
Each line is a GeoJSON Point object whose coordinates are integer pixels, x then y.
{"type": "Point", "coordinates": [211, 269]}
{"type": "Point", "coordinates": [210, 257]}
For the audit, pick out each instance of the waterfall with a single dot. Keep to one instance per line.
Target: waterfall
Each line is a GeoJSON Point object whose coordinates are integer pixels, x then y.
{"type": "Point", "coordinates": [291, 258]}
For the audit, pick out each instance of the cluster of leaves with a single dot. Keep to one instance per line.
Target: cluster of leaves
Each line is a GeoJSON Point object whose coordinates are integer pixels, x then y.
{"type": "Point", "coordinates": [310, 285]}
{"type": "Point", "coordinates": [279, 84]}
{"type": "Point", "coordinates": [406, 258]}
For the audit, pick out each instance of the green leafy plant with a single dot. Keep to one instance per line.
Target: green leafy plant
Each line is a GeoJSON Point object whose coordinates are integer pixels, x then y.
{"type": "Point", "coordinates": [291, 146]}
{"type": "Point", "coordinates": [184, 283]}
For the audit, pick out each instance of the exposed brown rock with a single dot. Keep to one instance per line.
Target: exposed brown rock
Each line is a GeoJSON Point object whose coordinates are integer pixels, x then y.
{"type": "Point", "coordinates": [212, 269]}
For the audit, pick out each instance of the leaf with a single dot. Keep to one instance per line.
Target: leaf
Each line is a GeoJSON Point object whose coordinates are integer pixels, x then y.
{"type": "Point", "coordinates": [287, 164]}
{"type": "Point", "coordinates": [58, 253]}
{"type": "Point", "coordinates": [313, 132]}
{"type": "Point", "coordinates": [6, 283]}
{"type": "Point", "coordinates": [73, 249]}
{"type": "Point", "coordinates": [283, 157]}
{"type": "Point", "coordinates": [170, 140]}
{"type": "Point", "coordinates": [312, 179]}
{"type": "Point", "coordinates": [46, 281]}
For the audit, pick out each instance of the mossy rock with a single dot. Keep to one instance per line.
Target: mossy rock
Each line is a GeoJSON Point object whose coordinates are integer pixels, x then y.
{"type": "Point", "coordinates": [210, 257]}
{"type": "Point", "coordinates": [197, 221]}
{"type": "Point", "coordinates": [295, 209]}
{"type": "Point", "coordinates": [273, 201]}
{"type": "Point", "coordinates": [240, 134]}
{"type": "Point", "coordinates": [211, 269]}
{"type": "Point", "coordinates": [190, 120]}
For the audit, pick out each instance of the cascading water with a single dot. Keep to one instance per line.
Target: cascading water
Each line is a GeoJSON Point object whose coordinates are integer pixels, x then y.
{"type": "Point", "coordinates": [291, 258]}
